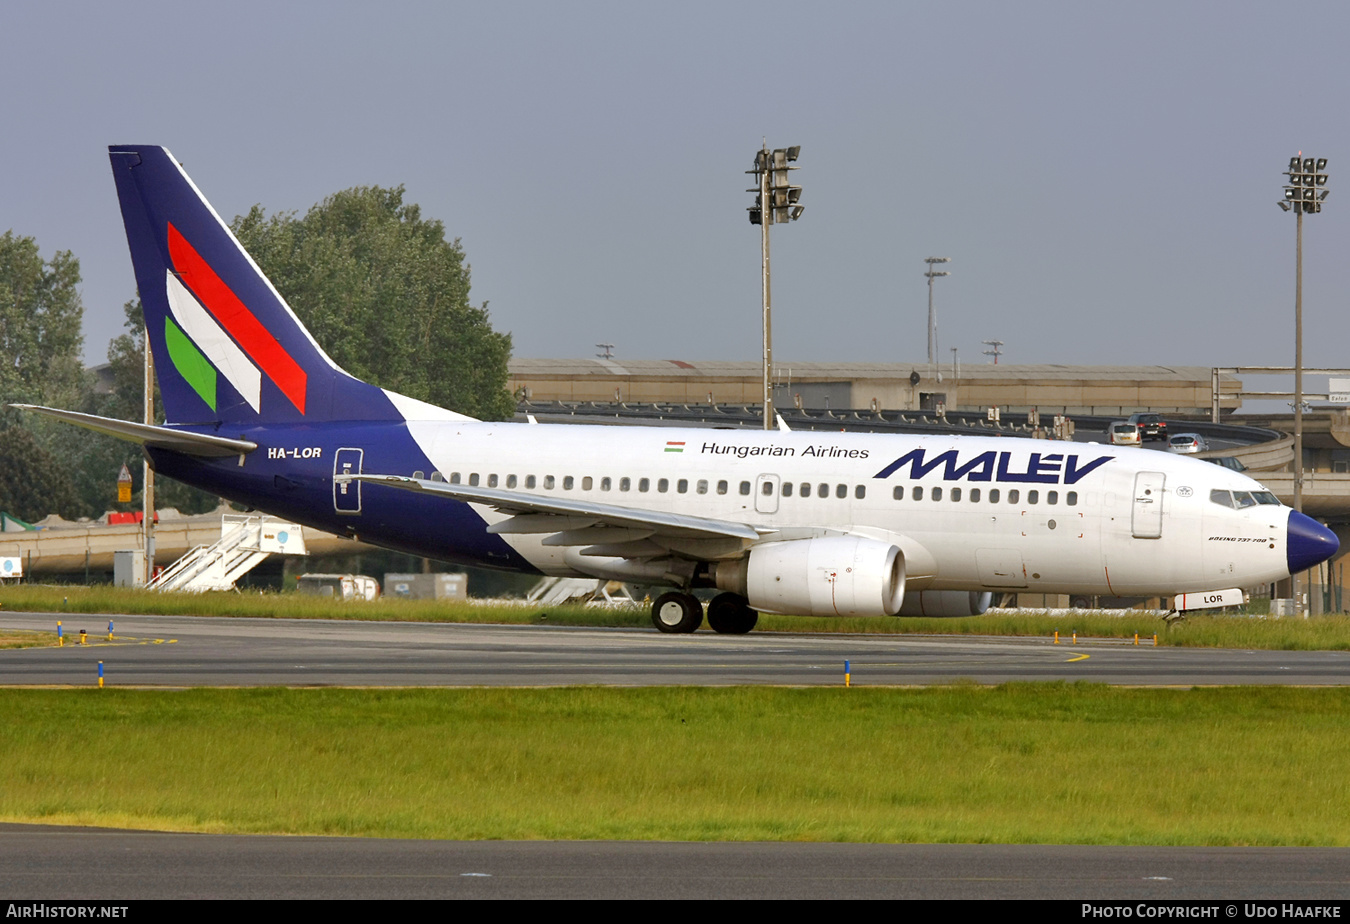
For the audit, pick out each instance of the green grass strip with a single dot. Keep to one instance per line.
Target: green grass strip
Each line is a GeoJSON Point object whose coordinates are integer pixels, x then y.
{"type": "Point", "coordinates": [1042, 763]}
{"type": "Point", "coordinates": [1202, 630]}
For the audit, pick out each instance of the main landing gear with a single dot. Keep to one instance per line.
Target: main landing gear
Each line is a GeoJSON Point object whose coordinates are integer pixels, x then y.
{"type": "Point", "coordinates": [729, 614]}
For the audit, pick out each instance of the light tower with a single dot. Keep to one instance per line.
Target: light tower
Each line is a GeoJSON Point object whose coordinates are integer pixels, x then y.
{"type": "Point", "coordinates": [776, 195]}
{"type": "Point", "coordinates": [932, 318]}
{"type": "Point", "coordinates": [1304, 194]}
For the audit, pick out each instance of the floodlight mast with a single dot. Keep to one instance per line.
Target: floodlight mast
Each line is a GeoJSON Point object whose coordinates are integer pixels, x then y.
{"type": "Point", "coordinates": [1305, 193]}
{"type": "Point", "coordinates": [932, 318]}
{"type": "Point", "coordinates": [780, 198]}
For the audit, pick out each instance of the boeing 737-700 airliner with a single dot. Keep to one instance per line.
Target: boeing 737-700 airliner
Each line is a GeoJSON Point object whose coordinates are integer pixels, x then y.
{"type": "Point", "coordinates": [782, 522]}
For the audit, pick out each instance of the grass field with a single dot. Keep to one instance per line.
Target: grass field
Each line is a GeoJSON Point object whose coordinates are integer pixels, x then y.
{"type": "Point", "coordinates": [1324, 632]}
{"type": "Point", "coordinates": [1015, 764]}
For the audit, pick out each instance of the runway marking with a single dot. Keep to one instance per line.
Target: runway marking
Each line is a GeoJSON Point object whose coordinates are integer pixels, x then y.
{"type": "Point", "coordinates": [1079, 658]}
{"type": "Point", "coordinates": [120, 641]}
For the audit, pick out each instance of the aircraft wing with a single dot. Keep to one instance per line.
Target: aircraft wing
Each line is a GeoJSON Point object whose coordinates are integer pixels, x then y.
{"type": "Point", "coordinates": [192, 444]}
{"type": "Point", "coordinates": [608, 529]}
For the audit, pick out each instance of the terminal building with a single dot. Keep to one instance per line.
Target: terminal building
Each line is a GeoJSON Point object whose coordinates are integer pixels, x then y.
{"type": "Point", "coordinates": [1081, 390]}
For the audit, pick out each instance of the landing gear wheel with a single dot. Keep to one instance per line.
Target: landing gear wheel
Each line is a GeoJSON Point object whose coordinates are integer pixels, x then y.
{"type": "Point", "coordinates": [677, 612]}
{"type": "Point", "coordinates": [730, 614]}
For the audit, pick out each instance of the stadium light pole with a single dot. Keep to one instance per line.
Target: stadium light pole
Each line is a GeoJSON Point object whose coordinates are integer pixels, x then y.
{"type": "Point", "coordinates": [779, 197]}
{"type": "Point", "coordinates": [932, 318]}
{"type": "Point", "coordinates": [1304, 194]}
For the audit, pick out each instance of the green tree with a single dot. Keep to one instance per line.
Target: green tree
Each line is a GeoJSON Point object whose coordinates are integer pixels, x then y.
{"type": "Point", "coordinates": [387, 296]}
{"type": "Point", "coordinates": [40, 342]}
{"type": "Point", "coordinates": [35, 482]}
{"type": "Point", "coordinates": [40, 316]}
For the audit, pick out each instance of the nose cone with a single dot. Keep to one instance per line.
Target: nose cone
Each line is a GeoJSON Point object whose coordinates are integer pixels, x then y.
{"type": "Point", "coordinates": [1310, 543]}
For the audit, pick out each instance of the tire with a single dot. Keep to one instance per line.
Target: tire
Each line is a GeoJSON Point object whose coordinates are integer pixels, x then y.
{"type": "Point", "coordinates": [730, 614]}
{"type": "Point", "coordinates": [677, 612]}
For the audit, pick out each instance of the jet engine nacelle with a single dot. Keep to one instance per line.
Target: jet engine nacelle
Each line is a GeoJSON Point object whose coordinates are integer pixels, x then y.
{"type": "Point", "coordinates": [946, 603]}
{"type": "Point", "coordinates": [830, 576]}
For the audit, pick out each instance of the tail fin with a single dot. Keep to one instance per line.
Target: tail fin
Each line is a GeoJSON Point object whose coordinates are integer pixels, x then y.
{"type": "Point", "coordinates": [228, 348]}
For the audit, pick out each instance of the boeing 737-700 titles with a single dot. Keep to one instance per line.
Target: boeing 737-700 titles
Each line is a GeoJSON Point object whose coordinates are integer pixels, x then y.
{"type": "Point", "coordinates": [782, 522]}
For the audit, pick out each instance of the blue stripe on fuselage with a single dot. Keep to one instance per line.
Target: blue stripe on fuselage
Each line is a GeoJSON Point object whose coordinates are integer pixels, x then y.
{"type": "Point", "coordinates": [290, 475]}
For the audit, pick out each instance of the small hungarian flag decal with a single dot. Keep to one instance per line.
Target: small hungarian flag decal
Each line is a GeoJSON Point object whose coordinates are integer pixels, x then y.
{"type": "Point", "coordinates": [673, 446]}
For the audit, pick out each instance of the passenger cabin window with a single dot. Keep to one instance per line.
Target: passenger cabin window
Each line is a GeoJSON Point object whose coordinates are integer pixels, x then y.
{"type": "Point", "coordinates": [721, 487]}
{"type": "Point", "coordinates": [530, 481]}
{"type": "Point", "coordinates": [548, 482]}
{"type": "Point", "coordinates": [1071, 498]}
{"type": "Point", "coordinates": [436, 476]}
{"type": "Point", "coordinates": [898, 492]}
{"type": "Point", "coordinates": [510, 481]}
{"type": "Point", "coordinates": [644, 485]}
{"type": "Point", "coordinates": [917, 493]}
{"type": "Point", "coordinates": [937, 494]}
{"type": "Point", "coordinates": [804, 489]}
{"type": "Point", "coordinates": [473, 479]}
{"type": "Point", "coordinates": [492, 481]}
{"type": "Point", "coordinates": [1013, 494]}
{"type": "Point", "coordinates": [993, 495]}
{"type": "Point", "coordinates": [682, 486]}
{"type": "Point", "coordinates": [745, 488]}
{"type": "Point", "coordinates": [625, 484]}
{"type": "Point", "coordinates": [974, 495]}
{"type": "Point", "coordinates": [841, 490]}
{"type": "Point", "coordinates": [663, 485]}
{"type": "Point", "coordinates": [787, 489]}
{"type": "Point", "coordinates": [567, 483]}
{"type": "Point", "coordinates": [767, 488]}
{"type": "Point", "coordinates": [702, 486]}
{"type": "Point", "coordinates": [606, 483]}
{"type": "Point", "coordinates": [822, 490]}
{"type": "Point", "coordinates": [1052, 497]}
{"type": "Point", "coordinates": [587, 483]}
{"type": "Point", "coordinates": [860, 491]}
{"type": "Point", "coordinates": [1033, 497]}
{"type": "Point", "coordinates": [956, 494]}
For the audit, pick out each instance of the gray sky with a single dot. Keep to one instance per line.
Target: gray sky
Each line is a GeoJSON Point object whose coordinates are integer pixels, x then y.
{"type": "Point", "coordinates": [1104, 177]}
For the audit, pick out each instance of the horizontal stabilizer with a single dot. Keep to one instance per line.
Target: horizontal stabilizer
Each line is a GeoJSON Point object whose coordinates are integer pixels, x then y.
{"type": "Point", "coordinates": [192, 444]}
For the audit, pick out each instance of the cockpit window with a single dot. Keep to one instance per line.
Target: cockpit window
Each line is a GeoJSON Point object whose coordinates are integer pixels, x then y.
{"type": "Point", "coordinates": [1222, 498]}
{"type": "Point", "coordinates": [1243, 499]}
{"type": "Point", "coordinates": [1265, 497]}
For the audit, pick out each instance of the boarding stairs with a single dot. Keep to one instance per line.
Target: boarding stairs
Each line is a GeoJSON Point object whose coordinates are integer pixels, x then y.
{"type": "Point", "coordinates": [245, 542]}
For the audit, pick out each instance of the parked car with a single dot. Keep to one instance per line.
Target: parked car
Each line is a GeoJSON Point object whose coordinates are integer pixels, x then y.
{"type": "Point", "coordinates": [1151, 426]}
{"type": "Point", "coordinates": [1123, 433]}
{"type": "Point", "coordinates": [1187, 442]}
{"type": "Point", "coordinates": [1229, 462]}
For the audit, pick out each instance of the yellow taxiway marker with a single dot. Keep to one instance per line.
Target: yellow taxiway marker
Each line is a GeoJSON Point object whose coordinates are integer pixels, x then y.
{"type": "Point", "coordinates": [1079, 658]}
